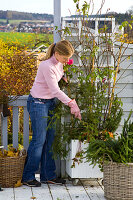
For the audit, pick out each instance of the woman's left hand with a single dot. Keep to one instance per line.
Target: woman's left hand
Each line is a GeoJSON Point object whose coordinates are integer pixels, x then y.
{"type": "Point", "coordinates": [65, 79]}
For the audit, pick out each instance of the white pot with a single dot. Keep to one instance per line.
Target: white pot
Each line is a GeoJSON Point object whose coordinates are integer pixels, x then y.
{"type": "Point", "coordinates": [84, 169]}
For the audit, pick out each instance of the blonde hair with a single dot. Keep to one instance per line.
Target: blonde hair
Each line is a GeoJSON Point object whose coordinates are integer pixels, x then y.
{"type": "Point", "coordinates": [63, 47]}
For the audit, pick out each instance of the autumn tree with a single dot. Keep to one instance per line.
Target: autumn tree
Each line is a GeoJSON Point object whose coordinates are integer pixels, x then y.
{"type": "Point", "coordinates": [17, 71]}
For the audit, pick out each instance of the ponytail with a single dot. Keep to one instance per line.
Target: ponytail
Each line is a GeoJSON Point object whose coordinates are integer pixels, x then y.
{"type": "Point", "coordinates": [63, 47]}
{"type": "Point", "coordinates": [50, 52]}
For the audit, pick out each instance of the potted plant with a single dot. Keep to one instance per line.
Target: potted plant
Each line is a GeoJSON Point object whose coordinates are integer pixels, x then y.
{"type": "Point", "coordinates": [11, 166]}
{"type": "Point", "coordinates": [96, 121]}
{"type": "Point", "coordinates": [115, 158]}
{"type": "Point", "coordinates": [92, 83]}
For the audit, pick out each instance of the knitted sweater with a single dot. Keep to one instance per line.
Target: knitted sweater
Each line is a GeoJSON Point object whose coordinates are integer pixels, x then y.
{"type": "Point", "coordinates": [46, 85]}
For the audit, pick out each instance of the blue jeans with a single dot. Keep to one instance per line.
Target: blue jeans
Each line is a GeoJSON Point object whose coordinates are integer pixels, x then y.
{"type": "Point", "coordinates": [39, 151]}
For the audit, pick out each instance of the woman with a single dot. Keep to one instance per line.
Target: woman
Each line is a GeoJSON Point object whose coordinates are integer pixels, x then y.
{"type": "Point", "coordinates": [41, 102]}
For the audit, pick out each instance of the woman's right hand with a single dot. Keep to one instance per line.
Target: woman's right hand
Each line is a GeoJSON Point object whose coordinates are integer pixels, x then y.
{"type": "Point", "coordinates": [74, 109]}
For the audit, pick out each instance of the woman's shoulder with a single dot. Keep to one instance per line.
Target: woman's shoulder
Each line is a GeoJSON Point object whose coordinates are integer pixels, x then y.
{"type": "Point", "coordinates": [46, 65]}
{"type": "Point", "coordinates": [46, 62]}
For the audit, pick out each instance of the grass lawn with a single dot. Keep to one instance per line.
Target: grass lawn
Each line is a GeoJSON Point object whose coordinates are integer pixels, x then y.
{"type": "Point", "coordinates": [26, 39]}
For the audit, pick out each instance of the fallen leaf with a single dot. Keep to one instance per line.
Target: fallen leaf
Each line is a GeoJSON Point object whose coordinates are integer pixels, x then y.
{"type": "Point", "coordinates": [33, 197]}
{"type": "Point", "coordinates": [18, 184]}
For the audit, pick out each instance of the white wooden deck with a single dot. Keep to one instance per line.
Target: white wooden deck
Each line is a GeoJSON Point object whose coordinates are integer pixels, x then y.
{"type": "Point", "coordinates": [55, 192]}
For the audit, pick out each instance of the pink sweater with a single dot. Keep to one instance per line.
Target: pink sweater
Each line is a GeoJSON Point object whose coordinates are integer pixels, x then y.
{"type": "Point", "coordinates": [46, 82]}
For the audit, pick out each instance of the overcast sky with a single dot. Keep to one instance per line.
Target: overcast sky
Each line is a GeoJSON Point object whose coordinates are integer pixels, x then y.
{"type": "Point", "coordinates": [67, 6]}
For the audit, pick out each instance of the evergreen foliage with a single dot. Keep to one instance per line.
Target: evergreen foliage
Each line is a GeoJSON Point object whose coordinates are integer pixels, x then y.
{"type": "Point", "coordinates": [118, 150]}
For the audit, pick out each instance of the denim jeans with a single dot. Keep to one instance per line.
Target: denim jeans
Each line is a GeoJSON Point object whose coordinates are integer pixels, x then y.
{"type": "Point", "coordinates": [39, 151]}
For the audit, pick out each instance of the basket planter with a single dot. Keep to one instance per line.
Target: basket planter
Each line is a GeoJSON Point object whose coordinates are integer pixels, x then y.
{"type": "Point", "coordinates": [84, 169]}
{"type": "Point", "coordinates": [118, 181]}
{"type": "Point", "coordinates": [11, 170]}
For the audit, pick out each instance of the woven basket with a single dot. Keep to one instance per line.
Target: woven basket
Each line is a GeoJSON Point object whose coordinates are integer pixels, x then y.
{"type": "Point", "coordinates": [118, 181]}
{"type": "Point", "coordinates": [11, 170]}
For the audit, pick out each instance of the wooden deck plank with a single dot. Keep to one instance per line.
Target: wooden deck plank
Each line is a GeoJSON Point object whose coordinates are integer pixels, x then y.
{"type": "Point", "coordinates": [77, 192]}
{"type": "Point", "coordinates": [59, 192]}
{"type": "Point", "coordinates": [100, 193]}
{"type": "Point", "coordinates": [54, 192]}
{"type": "Point", "coordinates": [22, 193]}
{"type": "Point", "coordinates": [42, 193]}
{"type": "Point", "coordinates": [91, 192]}
{"type": "Point", "coordinates": [7, 194]}
{"type": "Point", "coordinates": [95, 193]}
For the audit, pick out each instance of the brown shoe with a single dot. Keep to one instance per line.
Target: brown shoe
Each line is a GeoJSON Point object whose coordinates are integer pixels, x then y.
{"type": "Point", "coordinates": [57, 181]}
{"type": "Point", "coordinates": [33, 183]}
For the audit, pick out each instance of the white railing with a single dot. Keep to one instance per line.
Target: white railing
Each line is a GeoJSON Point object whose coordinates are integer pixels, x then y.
{"type": "Point", "coordinates": [20, 101]}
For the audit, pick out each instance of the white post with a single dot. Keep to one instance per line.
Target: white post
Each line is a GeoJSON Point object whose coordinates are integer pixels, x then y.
{"type": "Point", "coordinates": [57, 37]}
{"type": "Point", "coordinates": [57, 20]}
{"type": "Point", "coordinates": [96, 27]}
{"type": "Point", "coordinates": [113, 25]}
